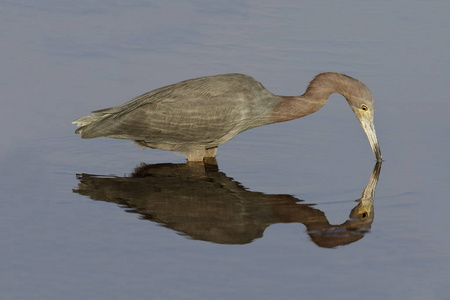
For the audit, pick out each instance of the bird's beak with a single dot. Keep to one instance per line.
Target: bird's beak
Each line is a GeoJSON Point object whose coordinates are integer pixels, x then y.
{"type": "Point", "coordinates": [368, 127]}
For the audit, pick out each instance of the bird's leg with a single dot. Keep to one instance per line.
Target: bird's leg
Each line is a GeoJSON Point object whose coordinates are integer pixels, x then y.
{"type": "Point", "coordinates": [211, 152]}
{"type": "Point", "coordinates": [195, 155]}
{"type": "Point", "coordinates": [210, 156]}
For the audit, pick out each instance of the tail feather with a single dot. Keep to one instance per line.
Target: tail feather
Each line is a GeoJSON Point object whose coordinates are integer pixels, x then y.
{"type": "Point", "coordinates": [84, 122]}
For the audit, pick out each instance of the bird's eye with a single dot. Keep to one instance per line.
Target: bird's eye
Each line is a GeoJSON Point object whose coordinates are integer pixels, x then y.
{"type": "Point", "coordinates": [364, 107]}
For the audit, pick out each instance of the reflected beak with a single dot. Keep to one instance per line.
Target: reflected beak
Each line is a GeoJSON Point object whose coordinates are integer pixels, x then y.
{"type": "Point", "coordinates": [372, 136]}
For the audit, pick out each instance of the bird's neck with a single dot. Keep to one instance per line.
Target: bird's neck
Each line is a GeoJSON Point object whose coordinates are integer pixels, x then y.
{"type": "Point", "coordinates": [315, 97]}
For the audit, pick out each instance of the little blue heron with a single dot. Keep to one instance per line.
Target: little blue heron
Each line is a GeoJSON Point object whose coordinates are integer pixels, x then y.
{"type": "Point", "coordinates": [195, 116]}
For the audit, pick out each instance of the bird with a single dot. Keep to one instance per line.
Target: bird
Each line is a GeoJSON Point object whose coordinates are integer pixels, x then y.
{"type": "Point", "coordinates": [196, 116]}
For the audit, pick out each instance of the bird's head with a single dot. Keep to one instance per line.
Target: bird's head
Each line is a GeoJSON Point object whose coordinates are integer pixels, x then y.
{"type": "Point", "coordinates": [361, 102]}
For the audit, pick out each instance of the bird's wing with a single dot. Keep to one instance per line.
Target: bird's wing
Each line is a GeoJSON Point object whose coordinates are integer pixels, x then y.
{"type": "Point", "coordinates": [197, 88]}
{"type": "Point", "coordinates": [200, 110]}
{"type": "Point", "coordinates": [194, 120]}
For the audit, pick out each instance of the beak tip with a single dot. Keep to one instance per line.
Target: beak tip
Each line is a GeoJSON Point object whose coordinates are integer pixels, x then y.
{"type": "Point", "coordinates": [377, 152]}
{"type": "Point", "coordinates": [378, 155]}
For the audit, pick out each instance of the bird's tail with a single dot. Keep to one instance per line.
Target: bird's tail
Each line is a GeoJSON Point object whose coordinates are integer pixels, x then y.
{"type": "Point", "coordinates": [84, 122]}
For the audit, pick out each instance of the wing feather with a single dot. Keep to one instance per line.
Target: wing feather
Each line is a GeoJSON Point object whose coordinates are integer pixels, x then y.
{"type": "Point", "coordinates": [198, 110]}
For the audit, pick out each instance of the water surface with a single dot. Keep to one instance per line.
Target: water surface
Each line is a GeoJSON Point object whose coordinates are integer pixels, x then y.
{"type": "Point", "coordinates": [291, 211]}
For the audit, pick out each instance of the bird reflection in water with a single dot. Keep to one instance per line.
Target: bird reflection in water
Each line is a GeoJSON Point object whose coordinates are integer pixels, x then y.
{"type": "Point", "coordinates": [203, 203]}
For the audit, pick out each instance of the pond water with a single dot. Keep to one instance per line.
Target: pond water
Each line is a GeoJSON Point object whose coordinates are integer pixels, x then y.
{"type": "Point", "coordinates": [296, 210]}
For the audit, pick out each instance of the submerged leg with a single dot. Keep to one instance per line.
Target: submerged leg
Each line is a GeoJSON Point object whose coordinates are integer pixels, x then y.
{"type": "Point", "coordinates": [201, 154]}
{"type": "Point", "coordinates": [210, 156]}
{"type": "Point", "coordinates": [195, 155]}
{"type": "Point", "coordinates": [211, 152]}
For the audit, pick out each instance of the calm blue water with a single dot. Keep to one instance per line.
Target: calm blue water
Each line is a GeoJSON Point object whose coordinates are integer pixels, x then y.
{"type": "Point", "coordinates": [282, 216]}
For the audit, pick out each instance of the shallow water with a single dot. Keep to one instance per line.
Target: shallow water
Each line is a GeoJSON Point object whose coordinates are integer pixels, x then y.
{"type": "Point", "coordinates": [291, 211]}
